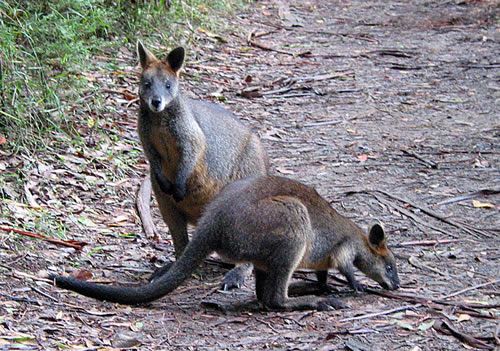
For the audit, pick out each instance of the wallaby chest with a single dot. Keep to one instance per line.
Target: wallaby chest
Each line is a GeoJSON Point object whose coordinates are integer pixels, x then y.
{"type": "Point", "coordinates": [201, 186]}
{"type": "Point", "coordinates": [169, 148]}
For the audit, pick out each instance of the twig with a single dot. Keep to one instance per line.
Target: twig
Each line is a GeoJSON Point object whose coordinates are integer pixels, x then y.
{"type": "Point", "coordinates": [18, 274]}
{"type": "Point", "coordinates": [426, 301]}
{"type": "Point", "coordinates": [412, 215]}
{"type": "Point", "coordinates": [132, 102]}
{"type": "Point", "coordinates": [44, 294]}
{"type": "Point", "coordinates": [412, 260]}
{"type": "Point", "coordinates": [428, 211]}
{"type": "Point", "coordinates": [322, 123]}
{"type": "Point", "coordinates": [429, 163]}
{"type": "Point", "coordinates": [267, 324]}
{"type": "Point", "coordinates": [333, 334]}
{"type": "Point", "coordinates": [496, 281]}
{"type": "Point", "coordinates": [262, 46]}
{"type": "Point", "coordinates": [482, 192]}
{"type": "Point", "coordinates": [381, 313]}
{"type": "Point", "coordinates": [77, 245]}
{"type": "Point", "coordinates": [143, 204]}
{"type": "Point", "coordinates": [496, 334]}
{"type": "Point", "coordinates": [21, 299]}
{"type": "Point", "coordinates": [465, 227]}
{"type": "Point", "coordinates": [428, 242]}
{"type": "Point", "coordinates": [447, 328]}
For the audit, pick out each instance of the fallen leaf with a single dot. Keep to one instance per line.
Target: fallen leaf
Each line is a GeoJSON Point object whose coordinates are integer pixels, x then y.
{"type": "Point", "coordinates": [404, 325]}
{"type": "Point", "coordinates": [479, 204]}
{"type": "Point", "coordinates": [362, 157]}
{"type": "Point", "coordinates": [82, 274]}
{"type": "Point", "coordinates": [426, 325]}
{"type": "Point", "coordinates": [125, 340]}
{"type": "Point", "coordinates": [463, 317]}
{"type": "Point", "coordinates": [2, 139]}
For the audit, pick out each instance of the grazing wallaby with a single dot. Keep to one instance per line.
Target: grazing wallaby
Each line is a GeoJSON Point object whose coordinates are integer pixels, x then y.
{"type": "Point", "coordinates": [279, 225]}
{"type": "Point", "coordinates": [194, 148]}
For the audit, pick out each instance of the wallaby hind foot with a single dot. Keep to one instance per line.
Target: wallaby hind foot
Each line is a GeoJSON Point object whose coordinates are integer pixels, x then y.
{"type": "Point", "coordinates": [235, 278]}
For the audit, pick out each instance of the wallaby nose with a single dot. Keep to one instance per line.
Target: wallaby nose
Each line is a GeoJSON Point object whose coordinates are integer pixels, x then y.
{"type": "Point", "coordinates": [156, 102]}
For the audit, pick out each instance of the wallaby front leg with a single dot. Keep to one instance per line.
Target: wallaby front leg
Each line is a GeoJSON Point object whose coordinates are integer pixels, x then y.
{"type": "Point", "coordinates": [348, 273]}
{"type": "Point", "coordinates": [165, 185]}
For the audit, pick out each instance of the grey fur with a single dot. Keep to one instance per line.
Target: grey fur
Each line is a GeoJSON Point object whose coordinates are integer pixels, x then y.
{"type": "Point", "coordinates": [278, 225]}
{"type": "Point", "coordinates": [194, 147]}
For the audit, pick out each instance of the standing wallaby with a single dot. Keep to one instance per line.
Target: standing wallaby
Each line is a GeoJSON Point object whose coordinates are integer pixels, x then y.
{"type": "Point", "coordinates": [279, 225]}
{"type": "Point", "coordinates": [194, 148]}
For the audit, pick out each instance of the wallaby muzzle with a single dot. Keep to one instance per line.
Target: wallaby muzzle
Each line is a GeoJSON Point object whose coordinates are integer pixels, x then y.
{"type": "Point", "coordinates": [156, 104]}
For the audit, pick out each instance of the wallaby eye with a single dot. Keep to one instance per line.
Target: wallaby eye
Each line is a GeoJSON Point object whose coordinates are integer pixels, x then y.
{"type": "Point", "coordinates": [167, 85]}
{"type": "Point", "coordinates": [147, 85]}
{"type": "Point", "coordinates": [388, 268]}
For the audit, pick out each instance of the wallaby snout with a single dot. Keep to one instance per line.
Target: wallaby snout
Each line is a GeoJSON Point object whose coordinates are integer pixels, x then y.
{"type": "Point", "coordinates": [156, 104]}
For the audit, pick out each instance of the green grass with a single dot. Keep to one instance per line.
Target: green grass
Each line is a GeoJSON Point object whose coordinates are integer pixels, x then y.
{"type": "Point", "coordinates": [48, 48]}
{"type": "Point", "coordinates": [45, 45]}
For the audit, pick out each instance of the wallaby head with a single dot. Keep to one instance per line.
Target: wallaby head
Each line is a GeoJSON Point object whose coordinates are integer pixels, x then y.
{"type": "Point", "coordinates": [159, 84]}
{"type": "Point", "coordinates": [377, 261]}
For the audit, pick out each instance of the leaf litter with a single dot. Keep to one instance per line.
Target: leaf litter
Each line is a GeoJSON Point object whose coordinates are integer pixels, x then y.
{"type": "Point", "coordinates": [387, 109]}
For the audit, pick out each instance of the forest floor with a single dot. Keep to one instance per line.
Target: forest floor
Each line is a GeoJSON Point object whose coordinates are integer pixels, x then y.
{"type": "Point", "coordinates": [389, 109]}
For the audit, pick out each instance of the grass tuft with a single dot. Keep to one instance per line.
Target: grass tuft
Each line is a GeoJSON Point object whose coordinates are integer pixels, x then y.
{"type": "Point", "coordinates": [45, 45]}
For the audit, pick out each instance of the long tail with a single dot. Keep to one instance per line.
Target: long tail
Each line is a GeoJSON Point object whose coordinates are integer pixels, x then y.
{"type": "Point", "coordinates": [198, 248]}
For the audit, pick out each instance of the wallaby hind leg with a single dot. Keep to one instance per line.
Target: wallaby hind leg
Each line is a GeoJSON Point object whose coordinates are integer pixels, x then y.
{"type": "Point", "coordinates": [275, 296]}
{"type": "Point", "coordinates": [235, 278]}
{"type": "Point", "coordinates": [260, 282]}
{"type": "Point", "coordinates": [275, 286]}
{"type": "Point", "coordinates": [175, 220]}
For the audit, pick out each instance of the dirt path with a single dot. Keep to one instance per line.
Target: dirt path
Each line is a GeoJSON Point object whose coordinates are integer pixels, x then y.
{"type": "Point", "coordinates": [388, 108]}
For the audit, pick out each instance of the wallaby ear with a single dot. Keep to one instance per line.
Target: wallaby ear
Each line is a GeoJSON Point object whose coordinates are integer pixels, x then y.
{"type": "Point", "coordinates": [145, 56]}
{"type": "Point", "coordinates": [376, 236]}
{"type": "Point", "coordinates": [175, 58]}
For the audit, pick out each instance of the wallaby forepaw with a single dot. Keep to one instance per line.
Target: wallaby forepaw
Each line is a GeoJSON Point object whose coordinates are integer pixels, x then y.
{"type": "Point", "coordinates": [358, 287]}
{"type": "Point", "coordinates": [330, 304]}
{"type": "Point", "coordinates": [179, 193]}
{"type": "Point", "coordinates": [165, 185]}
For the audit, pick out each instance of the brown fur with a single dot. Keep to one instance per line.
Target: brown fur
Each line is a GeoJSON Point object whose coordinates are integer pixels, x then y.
{"type": "Point", "coordinates": [278, 225]}
{"type": "Point", "coordinates": [194, 148]}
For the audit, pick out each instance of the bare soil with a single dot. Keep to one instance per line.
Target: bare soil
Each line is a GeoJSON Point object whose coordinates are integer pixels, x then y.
{"type": "Point", "coordinates": [388, 108]}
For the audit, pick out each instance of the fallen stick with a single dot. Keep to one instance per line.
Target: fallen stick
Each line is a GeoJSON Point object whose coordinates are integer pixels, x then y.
{"type": "Point", "coordinates": [428, 242]}
{"type": "Point", "coordinates": [411, 215]}
{"type": "Point", "coordinates": [469, 196]}
{"type": "Point", "coordinates": [381, 313]}
{"type": "Point", "coordinates": [465, 227]}
{"type": "Point", "coordinates": [429, 163]}
{"type": "Point", "coordinates": [428, 301]}
{"type": "Point", "coordinates": [445, 327]}
{"type": "Point", "coordinates": [264, 47]}
{"type": "Point", "coordinates": [496, 281]}
{"type": "Point", "coordinates": [429, 212]}
{"type": "Point", "coordinates": [143, 204]}
{"type": "Point", "coordinates": [77, 245]}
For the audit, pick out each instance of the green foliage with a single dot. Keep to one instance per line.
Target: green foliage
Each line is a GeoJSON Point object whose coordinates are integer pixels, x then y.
{"type": "Point", "coordinates": [46, 44]}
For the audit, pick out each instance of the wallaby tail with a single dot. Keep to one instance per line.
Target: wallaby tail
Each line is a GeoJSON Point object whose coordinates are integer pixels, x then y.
{"type": "Point", "coordinates": [199, 248]}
